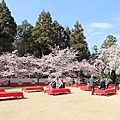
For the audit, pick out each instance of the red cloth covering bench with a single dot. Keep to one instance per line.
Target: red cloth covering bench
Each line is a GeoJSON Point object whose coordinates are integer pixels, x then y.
{"type": "Point", "coordinates": [33, 88]}
{"type": "Point", "coordinates": [14, 94]}
{"type": "Point", "coordinates": [111, 85]}
{"type": "Point", "coordinates": [87, 88]}
{"type": "Point", "coordinates": [2, 90]}
{"type": "Point", "coordinates": [105, 92]}
{"type": "Point", "coordinates": [78, 85]}
{"type": "Point", "coordinates": [55, 91]}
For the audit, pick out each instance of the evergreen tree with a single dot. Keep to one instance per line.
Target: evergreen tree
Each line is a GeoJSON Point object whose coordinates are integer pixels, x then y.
{"type": "Point", "coordinates": [43, 34]}
{"type": "Point", "coordinates": [24, 42]}
{"type": "Point", "coordinates": [7, 29]}
{"type": "Point", "coordinates": [94, 54]}
{"type": "Point", "coordinates": [110, 40]}
{"type": "Point", "coordinates": [68, 32]}
{"type": "Point", "coordinates": [78, 43]}
{"type": "Point", "coordinates": [61, 36]}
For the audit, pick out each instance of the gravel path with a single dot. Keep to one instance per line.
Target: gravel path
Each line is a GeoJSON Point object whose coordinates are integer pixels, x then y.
{"type": "Point", "coordinates": [79, 105]}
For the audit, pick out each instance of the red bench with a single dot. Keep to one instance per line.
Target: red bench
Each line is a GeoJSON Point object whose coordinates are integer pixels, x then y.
{"type": "Point", "coordinates": [14, 94]}
{"type": "Point", "coordinates": [105, 92]}
{"type": "Point", "coordinates": [2, 90]}
{"type": "Point", "coordinates": [55, 91]}
{"type": "Point", "coordinates": [87, 88]}
{"type": "Point", "coordinates": [78, 85]}
{"type": "Point", "coordinates": [33, 88]}
{"type": "Point", "coordinates": [111, 85]}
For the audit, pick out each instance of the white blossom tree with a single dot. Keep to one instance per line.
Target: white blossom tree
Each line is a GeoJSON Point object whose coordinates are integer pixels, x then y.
{"type": "Point", "coordinates": [109, 60]}
{"type": "Point", "coordinates": [59, 63]}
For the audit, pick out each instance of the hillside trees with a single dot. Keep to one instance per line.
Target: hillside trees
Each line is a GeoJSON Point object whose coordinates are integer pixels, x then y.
{"type": "Point", "coordinates": [36, 40]}
{"type": "Point", "coordinates": [7, 29]}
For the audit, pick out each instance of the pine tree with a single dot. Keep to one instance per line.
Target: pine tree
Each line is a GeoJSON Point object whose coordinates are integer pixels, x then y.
{"type": "Point", "coordinates": [24, 42]}
{"type": "Point", "coordinates": [94, 54]}
{"type": "Point", "coordinates": [68, 32]}
{"type": "Point", "coordinates": [43, 34]}
{"type": "Point", "coordinates": [61, 36]}
{"type": "Point", "coordinates": [110, 40]}
{"type": "Point", "coordinates": [78, 43]}
{"type": "Point", "coordinates": [7, 29]}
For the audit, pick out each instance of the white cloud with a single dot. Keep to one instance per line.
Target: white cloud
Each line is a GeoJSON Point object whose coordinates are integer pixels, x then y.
{"type": "Point", "coordinates": [100, 25]}
{"type": "Point", "coordinates": [97, 33]}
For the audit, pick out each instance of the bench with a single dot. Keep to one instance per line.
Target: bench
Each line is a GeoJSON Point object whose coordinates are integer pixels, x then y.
{"type": "Point", "coordinates": [87, 88]}
{"type": "Point", "coordinates": [14, 94]}
{"type": "Point", "coordinates": [78, 85]}
{"type": "Point", "coordinates": [55, 91]}
{"type": "Point", "coordinates": [33, 88]}
{"type": "Point", "coordinates": [2, 90]}
{"type": "Point", "coordinates": [105, 92]}
{"type": "Point", "coordinates": [111, 85]}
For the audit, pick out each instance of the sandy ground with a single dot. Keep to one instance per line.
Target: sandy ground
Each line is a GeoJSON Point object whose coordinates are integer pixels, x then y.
{"type": "Point", "coordinates": [79, 105]}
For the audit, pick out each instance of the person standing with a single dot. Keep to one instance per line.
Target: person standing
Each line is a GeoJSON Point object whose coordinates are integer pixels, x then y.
{"type": "Point", "coordinates": [9, 82]}
{"type": "Point", "coordinates": [91, 84]}
{"type": "Point", "coordinates": [117, 81]}
{"type": "Point", "coordinates": [73, 82]}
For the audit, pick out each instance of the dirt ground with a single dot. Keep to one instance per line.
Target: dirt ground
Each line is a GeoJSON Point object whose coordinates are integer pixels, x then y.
{"type": "Point", "coordinates": [79, 105]}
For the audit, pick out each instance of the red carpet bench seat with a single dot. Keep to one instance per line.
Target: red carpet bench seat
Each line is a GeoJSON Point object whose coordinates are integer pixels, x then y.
{"type": "Point", "coordinates": [33, 88]}
{"type": "Point", "coordinates": [78, 85]}
{"type": "Point", "coordinates": [87, 88]}
{"type": "Point", "coordinates": [111, 85]}
{"type": "Point", "coordinates": [13, 94]}
{"type": "Point", "coordinates": [55, 91]}
{"type": "Point", "coordinates": [105, 92]}
{"type": "Point", "coordinates": [2, 90]}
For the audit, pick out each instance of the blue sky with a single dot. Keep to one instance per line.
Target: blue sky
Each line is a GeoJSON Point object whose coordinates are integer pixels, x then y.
{"type": "Point", "coordinates": [99, 18]}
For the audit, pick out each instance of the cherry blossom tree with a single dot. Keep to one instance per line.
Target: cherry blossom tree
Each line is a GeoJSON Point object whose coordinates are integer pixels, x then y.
{"type": "Point", "coordinates": [59, 63]}
{"type": "Point", "coordinates": [109, 60]}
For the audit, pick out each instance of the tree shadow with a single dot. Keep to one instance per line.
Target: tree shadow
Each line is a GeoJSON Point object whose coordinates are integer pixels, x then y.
{"type": "Point", "coordinates": [62, 94]}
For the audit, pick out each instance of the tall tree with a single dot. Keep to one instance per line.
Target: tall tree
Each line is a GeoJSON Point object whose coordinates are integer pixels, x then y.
{"type": "Point", "coordinates": [78, 43]}
{"type": "Point", "coordinates": [94, 54]}
{"type": "Point", "coordinates": [110, 40]}
{"type": "Point", "coordinates": [24, 42]}
{"type": "Point", "coordinates": [7, 29]}
{"type": "Point", "coordinates": [43, 34]}
{"type": "Point", "coordinates": [62, 38]}
{"type": "Point", "coordinates": [68, 32]}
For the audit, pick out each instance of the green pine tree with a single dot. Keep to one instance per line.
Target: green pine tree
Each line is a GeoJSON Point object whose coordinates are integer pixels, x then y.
{"type": "Point", "coordinates": [24, 41]}
{"type": "Point", "coordinates": [61, 35]}
{"type": "Point", "coordinates": [7, 29]}
{"type": "Point", "coordinates": [43, 34]}
{"type": "Point", "coordinates": [78, 43]}
{"type": "Point", "coordinates": [68, 32]}
{"type": "Point", "coordinates": [110, 40]}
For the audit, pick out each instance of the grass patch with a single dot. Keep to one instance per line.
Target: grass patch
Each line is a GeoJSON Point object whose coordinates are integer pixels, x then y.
{"type": "Point", "coordinates": [11, 87]}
